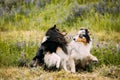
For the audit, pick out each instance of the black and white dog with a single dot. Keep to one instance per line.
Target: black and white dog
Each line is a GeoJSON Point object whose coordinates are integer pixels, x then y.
{"type": "Point", "coordinates": [52, 43]}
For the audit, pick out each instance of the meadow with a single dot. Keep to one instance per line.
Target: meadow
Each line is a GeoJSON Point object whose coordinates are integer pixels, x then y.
{"type": "Point", "coordinates": [23, 24]}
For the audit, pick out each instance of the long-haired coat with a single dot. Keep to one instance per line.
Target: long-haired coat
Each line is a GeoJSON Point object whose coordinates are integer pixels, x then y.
{"type": "Point", "coordinates": [52, 43]}
{"type": "Point", "coordinates": [79, 50]}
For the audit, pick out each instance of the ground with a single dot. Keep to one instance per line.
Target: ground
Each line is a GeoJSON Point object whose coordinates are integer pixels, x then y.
{"type": "Point", "coordinates": [25, 73]}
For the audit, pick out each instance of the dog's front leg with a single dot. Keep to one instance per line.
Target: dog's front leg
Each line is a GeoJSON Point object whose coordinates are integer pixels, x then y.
{"type": "Point", "coordinates": [64, 65]}
{"type": "Point", "coordinates": [72, 65]}
{"type": "Point", "coordinates": [58, 63]}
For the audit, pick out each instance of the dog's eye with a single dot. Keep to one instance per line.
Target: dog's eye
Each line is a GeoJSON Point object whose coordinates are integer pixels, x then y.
{"type": "Point", "coordinates": [81, 36]}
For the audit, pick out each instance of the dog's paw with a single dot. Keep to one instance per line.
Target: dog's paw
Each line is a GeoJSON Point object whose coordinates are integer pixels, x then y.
{"type": "Point", "coordinates": [73, 71]}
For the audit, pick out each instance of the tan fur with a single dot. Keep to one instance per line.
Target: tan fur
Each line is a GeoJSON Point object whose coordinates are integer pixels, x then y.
{"type": "Point", "coordinates": [64, 33]}
{"type": "Point", "coordinates": [58, 49]}
{"type": "Point", "coordinates": [82, 40]}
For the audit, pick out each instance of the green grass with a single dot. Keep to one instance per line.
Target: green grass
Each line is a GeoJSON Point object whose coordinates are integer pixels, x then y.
{"type": "Point", "coordinates": [13, 43]}
{"type": "Point", "coordinates": [23, 26]}
{"type": "Point", "coordinates": [30, 23]}
{"type": "Point", "coordinates": [64, 14]}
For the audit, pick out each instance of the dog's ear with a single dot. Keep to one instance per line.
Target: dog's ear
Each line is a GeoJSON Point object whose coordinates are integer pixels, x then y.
{"type": "Point", "coordinates": [54, 26]}
{"type": "Point", "coordinates": [87, 31]}
{"type": "Point", "coordinates": [81, 29]}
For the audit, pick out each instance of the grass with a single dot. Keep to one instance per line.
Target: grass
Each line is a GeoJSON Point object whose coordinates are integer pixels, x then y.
{"type": "Point", "coordinates": [13, 43]}
{"type": "Point", "coordinates": [23, 25]}
{"type": "Point", "coordinates": [38, 73]}
{"type": "Point", "coordinates": [65, 16]}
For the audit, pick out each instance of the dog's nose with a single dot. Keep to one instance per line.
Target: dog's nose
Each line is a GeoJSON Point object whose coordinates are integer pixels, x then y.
{"type": "Point", "coordinates": [74, 39]}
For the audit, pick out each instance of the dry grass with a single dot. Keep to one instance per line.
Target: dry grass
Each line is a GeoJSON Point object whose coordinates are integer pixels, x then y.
{"type": "Point", "coordinates": [33, 35]}
{"type": "Point", "coordinates": [15, 73]}
{"type": "Point", "coordinates": [111, 36]}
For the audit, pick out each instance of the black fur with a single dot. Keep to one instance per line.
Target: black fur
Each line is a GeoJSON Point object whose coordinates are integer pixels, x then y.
{"type": "Point", "coordinates": [55, 39]}
{"type": "Point", "coordinates": [40, 55]}
{"type": "Point", "coordinates": [86, 35]}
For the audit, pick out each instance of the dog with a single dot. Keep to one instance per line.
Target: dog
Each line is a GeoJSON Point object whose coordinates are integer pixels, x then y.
{"type": "Point", "coordinates": [52, 43]}
{"type": "Point", "coordinates": [79, 50]}
{"type": "Point", "coordinates": [78, 53]}
{"type": "Point", "coordinates": [67, 56]}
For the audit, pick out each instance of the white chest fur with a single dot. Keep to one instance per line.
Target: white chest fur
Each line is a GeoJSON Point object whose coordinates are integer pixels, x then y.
{"type": "Point", "coordinates": [79, 50]}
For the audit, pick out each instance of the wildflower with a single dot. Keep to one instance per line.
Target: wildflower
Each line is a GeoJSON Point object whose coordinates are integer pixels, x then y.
{"type": "Point", "coordinates": [20, 44]}
{"type": "Point", "coordinates": [22, 60]}
{"type": "Point", "coordinates": [118, 48]}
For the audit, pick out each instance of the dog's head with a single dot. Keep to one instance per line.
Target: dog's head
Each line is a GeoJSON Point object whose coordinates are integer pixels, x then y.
{"type": "Point", "coordinates": [53, 30]}
{"type": "Point", "coordinates": [82, 36]}
{"type": "Point", "coordinates": [55, 35]}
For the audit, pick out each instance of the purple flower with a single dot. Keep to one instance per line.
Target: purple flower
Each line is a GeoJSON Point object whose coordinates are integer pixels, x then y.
{"type": "Point", "coordinates": [98, 45]}
{"type": "Point", "coordinates": [118, 48]}
{"type": "Point", "coordinates": [20, 44]}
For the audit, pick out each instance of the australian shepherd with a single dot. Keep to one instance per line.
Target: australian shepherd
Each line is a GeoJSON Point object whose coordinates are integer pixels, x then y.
{"type": "Point", "coordinates": [79, 50]}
